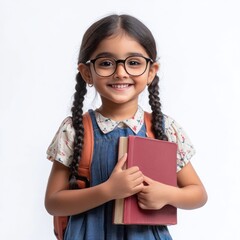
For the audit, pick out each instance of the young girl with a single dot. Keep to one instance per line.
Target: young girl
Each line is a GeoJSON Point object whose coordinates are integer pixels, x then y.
{"type": "Point", "coordinates": [117, 57]}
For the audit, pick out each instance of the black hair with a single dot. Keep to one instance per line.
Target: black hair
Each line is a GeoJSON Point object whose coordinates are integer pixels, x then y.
{"type": "Point", "coordinates": [97, 32]}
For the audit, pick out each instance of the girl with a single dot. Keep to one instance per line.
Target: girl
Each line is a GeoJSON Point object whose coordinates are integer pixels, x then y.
{"type": "Point", "coordinates": [117, 57]}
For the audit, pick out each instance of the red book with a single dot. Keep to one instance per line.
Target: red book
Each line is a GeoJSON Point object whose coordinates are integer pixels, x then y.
{"type": "Point", "coordinates": [157, 159]}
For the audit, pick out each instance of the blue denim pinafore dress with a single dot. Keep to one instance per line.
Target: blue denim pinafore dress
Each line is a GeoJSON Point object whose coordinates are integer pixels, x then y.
{"type": "Point", "coordinates": [96, 224]}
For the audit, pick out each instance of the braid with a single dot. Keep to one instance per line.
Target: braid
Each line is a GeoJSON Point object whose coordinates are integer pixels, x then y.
{"type": "Point", "coordinates": [157, 115]}
{"type": "Point", "coordinates": [77, 115]}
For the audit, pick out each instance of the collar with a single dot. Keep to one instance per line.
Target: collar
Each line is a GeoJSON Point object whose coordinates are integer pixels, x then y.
{"type": "Point", "coordinates": [107, 125]}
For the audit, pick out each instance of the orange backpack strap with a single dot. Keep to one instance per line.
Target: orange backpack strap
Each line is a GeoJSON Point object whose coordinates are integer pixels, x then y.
{"type": "Point", "coordinates": [87, 153]}
{"type": "Point", "coordinates": [60, 223]}
{"type": "Point", "coordinates": [148, 123]}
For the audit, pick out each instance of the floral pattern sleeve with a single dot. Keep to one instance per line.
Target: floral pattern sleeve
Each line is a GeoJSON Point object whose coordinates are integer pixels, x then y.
{"type": "Point", "coordinates": [61, 147]}
{"type": "Point", "coordinates": [176, 134]}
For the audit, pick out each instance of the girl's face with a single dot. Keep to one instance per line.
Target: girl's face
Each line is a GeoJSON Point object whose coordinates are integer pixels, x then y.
{"type": "Point", "coordinates": [121, 87]}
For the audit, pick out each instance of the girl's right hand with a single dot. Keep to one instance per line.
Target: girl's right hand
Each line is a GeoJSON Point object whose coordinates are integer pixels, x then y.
{"type": "Point", "coordinates": [125, 182]}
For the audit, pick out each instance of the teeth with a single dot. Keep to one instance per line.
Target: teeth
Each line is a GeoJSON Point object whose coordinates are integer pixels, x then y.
{"type": "Point", "coordinates": [120, 85]}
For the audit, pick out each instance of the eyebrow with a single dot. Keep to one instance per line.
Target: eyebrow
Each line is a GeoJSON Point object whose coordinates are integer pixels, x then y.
{"type": "Point", "coordinates": [108, 54]}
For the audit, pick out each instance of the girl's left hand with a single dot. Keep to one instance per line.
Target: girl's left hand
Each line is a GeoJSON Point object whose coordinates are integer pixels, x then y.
{"type": "Point", "coordinates": [154, 195]}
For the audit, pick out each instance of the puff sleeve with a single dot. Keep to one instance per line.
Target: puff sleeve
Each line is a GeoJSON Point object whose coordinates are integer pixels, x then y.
{"type": "Point", "coordinates": [61, 147]}
{"type": "Point", "coordinates": [176, 134]}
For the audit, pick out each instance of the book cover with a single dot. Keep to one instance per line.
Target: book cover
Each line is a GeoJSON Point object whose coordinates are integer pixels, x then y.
{"type": "Point", "coordinates": [157, 160]}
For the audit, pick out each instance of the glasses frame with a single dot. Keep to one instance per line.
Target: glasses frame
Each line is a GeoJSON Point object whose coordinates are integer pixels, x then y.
{"type": "Point", "coordinates": [123, 61]}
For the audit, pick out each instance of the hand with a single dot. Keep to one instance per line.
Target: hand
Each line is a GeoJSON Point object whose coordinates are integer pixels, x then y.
{"type": "Point", "coordinates": [125, 182]}
{"type": "Point", "coordinates": [154, 195]}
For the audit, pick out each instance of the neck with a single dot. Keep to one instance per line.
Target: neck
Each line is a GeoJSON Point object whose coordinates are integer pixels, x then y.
{"type": "Point", "coordinates": [118, 112]}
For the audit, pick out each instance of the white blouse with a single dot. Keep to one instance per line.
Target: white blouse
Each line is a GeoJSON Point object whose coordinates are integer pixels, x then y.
{"type": "Point", "coordinates": [61, 147]}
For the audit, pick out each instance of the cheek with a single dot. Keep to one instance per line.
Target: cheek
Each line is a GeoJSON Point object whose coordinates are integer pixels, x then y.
{"type": "Point", "coordinates": [99, 83]}
{"type": "Point", "coordinates": [143, 79]}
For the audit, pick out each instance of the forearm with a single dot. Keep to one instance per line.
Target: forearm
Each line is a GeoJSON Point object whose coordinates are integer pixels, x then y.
{"type": "Point", "coordinates": [189, 194]}
{"type": "Point", "coordinates": [71, 202]}
{"type": "Point", "coordinates": [189, 197]}
{"type": "Point", "coordinates": [60, 201]}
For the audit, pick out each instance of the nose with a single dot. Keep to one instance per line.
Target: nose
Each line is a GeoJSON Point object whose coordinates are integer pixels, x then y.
{"type": "Point", "coordinates": [120, 70]}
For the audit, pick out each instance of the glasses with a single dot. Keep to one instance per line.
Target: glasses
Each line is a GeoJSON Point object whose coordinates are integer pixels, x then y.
{"type": "Point", "coordinates": [107, 66]}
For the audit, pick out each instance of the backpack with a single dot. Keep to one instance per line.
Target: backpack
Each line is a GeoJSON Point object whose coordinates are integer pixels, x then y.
{"type": "Point", "coordinates": [59, 222]}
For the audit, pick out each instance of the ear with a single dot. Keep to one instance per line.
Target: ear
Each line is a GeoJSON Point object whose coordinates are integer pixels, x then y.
{"type": "Point", "coordinates": [85, 72]}
{"type": "Point", "coordinates": [152, 72]}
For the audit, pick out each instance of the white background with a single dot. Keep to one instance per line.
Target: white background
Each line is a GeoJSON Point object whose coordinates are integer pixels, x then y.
{"type": "Point", "coordinates": [198, 45]}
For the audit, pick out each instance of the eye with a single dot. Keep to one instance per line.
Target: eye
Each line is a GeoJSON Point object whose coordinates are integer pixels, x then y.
{"type": "Point", "coordinates": [105, 62]}
{"type": "Point", "coordinates": [132, 62]}
{"type": "Point", "coordinates": [135, 62]}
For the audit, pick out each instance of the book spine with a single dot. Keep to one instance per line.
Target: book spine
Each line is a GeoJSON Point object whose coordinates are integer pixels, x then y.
{"type": "Point", "coordinates": [118, 214]}
{"type": "Point", "coordinates": [128, 201]}
{"type": "Point", "coordinates": [130, 151]}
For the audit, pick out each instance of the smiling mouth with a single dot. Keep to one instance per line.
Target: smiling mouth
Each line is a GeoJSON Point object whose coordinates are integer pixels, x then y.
{"type": "Point", "coordinates": [120, 86]}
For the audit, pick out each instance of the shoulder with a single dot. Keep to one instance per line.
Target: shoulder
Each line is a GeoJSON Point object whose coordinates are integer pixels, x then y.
{"type": "Point", "coordinates": [173, 128]}
{"type": "Point", "coordinates": [67, 123]}
{"type": "Point", "coordinates": [66, 128]}
{"type": "Point", "coordinates": [61, 146]}
{"type": "Point", "coordinates": [177, 134]}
